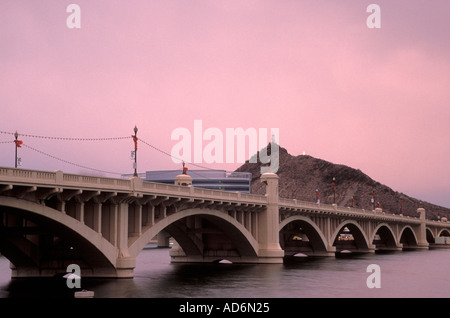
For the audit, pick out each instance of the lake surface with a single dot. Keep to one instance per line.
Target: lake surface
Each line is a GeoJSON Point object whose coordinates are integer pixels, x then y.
{"type": "Point", "coordinates": [421, 273]}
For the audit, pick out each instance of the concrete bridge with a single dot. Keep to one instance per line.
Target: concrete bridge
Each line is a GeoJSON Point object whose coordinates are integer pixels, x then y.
{"type": "Point", "coordinates": [49, 220]}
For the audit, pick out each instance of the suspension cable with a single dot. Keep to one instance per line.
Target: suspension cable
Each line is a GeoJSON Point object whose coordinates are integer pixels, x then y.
{"type": "Point", "coordinates": [181, 160]}
{"type": "Point", "coordinates": [68, 162]}
{"type": "Point", "coordinates": [95, 139]}
{"type": "Point", "coordinates": [170, 155]}
{"type": "Point", "coordinates": [66, 138]}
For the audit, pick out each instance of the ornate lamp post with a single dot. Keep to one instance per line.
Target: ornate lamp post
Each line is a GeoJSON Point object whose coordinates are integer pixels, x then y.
{"type": "Point", "coordinates": [373, 200]}
{"type": "Point", "coordinates": [135, 150]}
{"type": "Point", "coordinates": [334, 190]}
{"type": "Point", "coordinates": [18, 144]}
{"type": "Point", "coordinates": [16, 135]}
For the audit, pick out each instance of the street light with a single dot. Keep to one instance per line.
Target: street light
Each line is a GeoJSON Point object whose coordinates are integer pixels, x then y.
{"type": "Point", "coordinates": [135, 150]}
{"type": "Point", "coordinates": [334, 190]}
{"type": "Point", "coordinates": [16, 135]}
{"type": "Point", "coordinates": [373, 200]}
{"type": "Point", "coordinates": [18, 144]}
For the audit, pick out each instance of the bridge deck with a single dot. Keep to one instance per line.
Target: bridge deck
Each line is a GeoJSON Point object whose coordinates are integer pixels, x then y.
{"type": "Point", "coordinates": [11, 177]}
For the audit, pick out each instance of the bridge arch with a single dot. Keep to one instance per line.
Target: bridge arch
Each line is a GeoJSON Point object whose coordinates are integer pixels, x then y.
{"type": "Point", "coordinates": [244, 243]}
{"type": "Point", "coordinates": [384, 237]}
{"type": "Point", "coordinates": [408, 237]}
{"type": "Point", "coordinates": [429, 235]}
{"type": "Point", "coordinates": [296, 225]}
{"type": "Point", "coordinates": [96, 251]}
{"type": "Point", "coordinates": [444, 232]}
{"type": "Point", "coordinates": [360, 242]}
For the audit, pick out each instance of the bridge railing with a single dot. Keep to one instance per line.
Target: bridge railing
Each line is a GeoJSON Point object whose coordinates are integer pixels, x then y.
{"type": "Point", "coordinates": [163, 188]}
{"type": "Point", "coordinates": [202, 192]}
{"type": "Point", "coordinates": [294, 203]}
{"type": "Point", "coordinates": [319, 206]}
{"type": "Point", "coordinates": [95, 181]}
{"type": "Point", "coordinates": [58, 178]}
{"type": "Point", "coordinates": [26, 174]}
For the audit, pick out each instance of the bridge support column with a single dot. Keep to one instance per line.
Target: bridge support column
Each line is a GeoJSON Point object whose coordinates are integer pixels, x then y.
{"type": "Point", "coordinates": [330, 249]}
{"type": "Point", "coordinates": [268, 224]}
{"type": "Point", "coordinates": [422, 235]}
{"type": "Point", "coordinates": [97, 220]}
{"type": "Point", "coordinates": [163, 239]}
{"type": "Point", "coordinates": [125, 263]}
{"type": "Point", "coordinates": [79, 211]}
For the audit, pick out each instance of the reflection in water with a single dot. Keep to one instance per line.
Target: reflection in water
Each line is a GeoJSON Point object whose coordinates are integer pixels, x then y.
{"type": "Point", "coordinates": [403, 274]}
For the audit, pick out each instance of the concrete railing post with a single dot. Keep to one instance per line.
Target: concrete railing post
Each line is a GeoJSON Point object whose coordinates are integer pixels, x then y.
{"type": "Point", "coordinates": [59, 177]}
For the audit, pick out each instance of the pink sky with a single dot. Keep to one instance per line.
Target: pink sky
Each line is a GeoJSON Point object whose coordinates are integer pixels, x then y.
{"type": "Point", "coordinates": [373, 99]}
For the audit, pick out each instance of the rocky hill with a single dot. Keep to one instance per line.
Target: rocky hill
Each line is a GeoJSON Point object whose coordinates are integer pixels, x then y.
{"type": "Point", "coordinates": [301, 176]}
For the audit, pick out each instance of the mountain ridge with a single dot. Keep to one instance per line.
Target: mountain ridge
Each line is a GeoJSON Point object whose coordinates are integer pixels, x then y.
{"type": "Point", "coordinates": [302, 177]}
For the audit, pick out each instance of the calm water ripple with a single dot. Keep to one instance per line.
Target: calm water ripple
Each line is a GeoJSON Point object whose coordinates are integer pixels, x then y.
{"type": "Point", "coordinates": [421, 273]}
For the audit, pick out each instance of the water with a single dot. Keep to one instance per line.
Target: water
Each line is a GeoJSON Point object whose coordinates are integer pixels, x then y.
{"type": "Point", "coordinates": [422, 273]}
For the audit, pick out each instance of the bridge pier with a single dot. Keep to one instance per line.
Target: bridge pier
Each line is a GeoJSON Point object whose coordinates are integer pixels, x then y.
{"type": "Point", "coordinates": [163, 239]}
{"type": "Point", "coordinates": [125, 267]}
{"type": "Point", "coordinates": [268, 223]}
{"type": "Point", "coordinates": [125, 263]}
{"type": "Point", "coordinates": [422, 242]}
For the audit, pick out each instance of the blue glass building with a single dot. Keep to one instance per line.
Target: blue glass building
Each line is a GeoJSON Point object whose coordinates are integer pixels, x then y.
{"type": "Point", "coordinates": [209, 179]}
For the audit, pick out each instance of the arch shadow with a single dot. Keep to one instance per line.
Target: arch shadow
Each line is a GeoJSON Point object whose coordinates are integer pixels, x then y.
{"type": "Point", "coordinates": [77, 241]}
{"type": "Point", "coordinates": [359, 242]}
{"type": "Point", "coordinates": [299, 234]}
{"type": "Point", "coordinates": [384, 238]}
{"type": "Point", "coordinates": [408, 238]}
{"type": "Point", "coordinates": [236, 235]}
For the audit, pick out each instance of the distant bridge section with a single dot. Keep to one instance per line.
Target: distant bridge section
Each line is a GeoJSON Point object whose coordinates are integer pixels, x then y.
{"type": "Point", "coordinates": [49, 220]}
